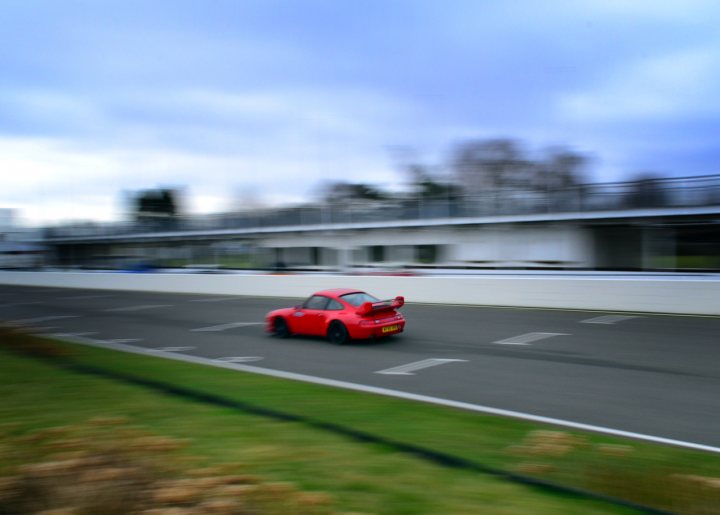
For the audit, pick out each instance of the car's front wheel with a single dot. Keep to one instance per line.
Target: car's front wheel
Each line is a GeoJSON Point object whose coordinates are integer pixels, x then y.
{"type": "Point", "coordinates": [280, 328]}
{"type": "Point", "coordinates": [337, 333]}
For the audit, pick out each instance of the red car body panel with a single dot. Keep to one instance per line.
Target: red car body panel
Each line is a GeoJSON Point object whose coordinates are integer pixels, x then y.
{"type": "Point", "coordinates": [369, 319]}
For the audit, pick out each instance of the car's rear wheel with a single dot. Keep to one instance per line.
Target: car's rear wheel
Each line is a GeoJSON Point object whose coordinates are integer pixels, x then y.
{"type": "Point", "coordinates": [337, 333]}
{"type": "Point", "coordinates": [280, 328]}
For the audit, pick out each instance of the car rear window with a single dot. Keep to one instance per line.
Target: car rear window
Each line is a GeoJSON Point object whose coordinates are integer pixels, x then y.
{"type": "Point", "coordinates": [357, 299]}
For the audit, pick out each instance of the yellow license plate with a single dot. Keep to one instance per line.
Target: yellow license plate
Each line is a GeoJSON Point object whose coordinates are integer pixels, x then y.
{"type": "Point", "coordinates": [390, 328]}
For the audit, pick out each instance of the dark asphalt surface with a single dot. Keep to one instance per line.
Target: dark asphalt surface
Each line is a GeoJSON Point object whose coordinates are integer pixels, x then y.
{"type": "Point", "coordinates": [657, 375]}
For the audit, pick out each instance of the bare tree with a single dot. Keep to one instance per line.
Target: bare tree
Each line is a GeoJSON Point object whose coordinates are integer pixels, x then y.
{"type": "Point", "coordinates": [429, 185]}
{"type": "Point", "coordinates": [559, 168]}
{"type": "Point", "coordinates": [492, 164]}
{"type": "Point", "coordinates": [503, 164]}
{"type": "Point", "coordinates": [342, 192]}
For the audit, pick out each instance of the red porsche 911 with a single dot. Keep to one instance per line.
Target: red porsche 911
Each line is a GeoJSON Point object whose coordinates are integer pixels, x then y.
{"type": "Point", "coordinates": [340, 315]}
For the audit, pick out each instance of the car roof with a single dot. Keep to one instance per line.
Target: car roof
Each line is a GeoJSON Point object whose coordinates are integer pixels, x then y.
{"type": "Point", "coordinates": [337, 292]}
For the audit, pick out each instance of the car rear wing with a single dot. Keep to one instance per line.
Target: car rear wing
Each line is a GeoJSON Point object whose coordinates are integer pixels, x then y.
{"type": "Point", "coordinates": [367, 308]}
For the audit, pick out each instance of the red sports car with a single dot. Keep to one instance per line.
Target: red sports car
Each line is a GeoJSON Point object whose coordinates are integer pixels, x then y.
{"type": "Point", "coordinates": [341, 315]}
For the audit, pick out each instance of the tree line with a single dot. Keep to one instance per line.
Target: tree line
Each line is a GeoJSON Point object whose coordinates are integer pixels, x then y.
{"type": "Point", "coordinates": [474, 167]}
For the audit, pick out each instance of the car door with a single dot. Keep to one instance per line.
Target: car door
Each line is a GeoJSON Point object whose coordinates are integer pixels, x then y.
{"type": "Point", "coordinates": [310, 317]}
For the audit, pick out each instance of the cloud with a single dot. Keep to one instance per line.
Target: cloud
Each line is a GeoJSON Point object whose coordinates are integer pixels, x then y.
{"type": "Point", "coordinates": [677, 85]}
{"type": "Point", "coordinates": [43, 174]}
{"type": "Point", "coordinates": [278, 96]}
{"type": "Point", "coordinates": [648, 10]}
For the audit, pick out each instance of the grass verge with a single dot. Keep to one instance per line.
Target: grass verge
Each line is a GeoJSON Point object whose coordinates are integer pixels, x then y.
{"type": "Point", "coordinates": [360, 478]}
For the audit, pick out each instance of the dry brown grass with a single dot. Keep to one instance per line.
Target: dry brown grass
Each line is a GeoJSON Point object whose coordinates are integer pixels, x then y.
{"type": "Point", "coordinates": [106, 466]}
{"type": "Point", "coordinates": [609, 469]}
{"type": "Point", "coordinates": [20, 339]}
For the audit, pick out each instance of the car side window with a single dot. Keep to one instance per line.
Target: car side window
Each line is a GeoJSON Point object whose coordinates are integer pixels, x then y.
{"type": "Point", "coordinates": [334, 305]}
{"type": "Point", "coordinates": [316, 302]}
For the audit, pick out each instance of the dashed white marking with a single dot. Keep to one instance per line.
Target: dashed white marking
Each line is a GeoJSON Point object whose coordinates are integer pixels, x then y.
{"type": "Point", "coordinates": [608, 319]}
{"type": "Point", "coordinates": [68, 335]}
{"type": "Point", "coordinates": [173, 349]}
{"type": "Point", "coordinates": [17, 304]}
{"type": "Point", "coordinates": [407, 370]}
{"type": "Point", "coordinates": [526, 339]}
{"type": "Point", "coordinates": [40, 319]}
{"type": "Point", "coordinates": [223, 327]}
{"type": "Point", "coordinates": [81, 338]}
{"type": "Point", "coordinates": [45, 328]}
{"type": "Point", "coordinates": [86, 297]}
{"type": "Point", "coordinates": [478, 408]}
{"type": "Point", "coordinates": [212, 299]}
{"type": "Point", "coordinates": [240, 359]}
{"type": "Point", "coordinates": [139, 308]}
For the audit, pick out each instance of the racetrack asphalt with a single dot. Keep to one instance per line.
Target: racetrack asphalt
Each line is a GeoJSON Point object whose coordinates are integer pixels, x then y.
{"type": "Point", "coordinates": [643, 373]}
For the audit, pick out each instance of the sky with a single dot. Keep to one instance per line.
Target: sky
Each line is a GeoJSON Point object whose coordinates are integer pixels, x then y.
{"type": "Point", "coordinates": [247, 103]}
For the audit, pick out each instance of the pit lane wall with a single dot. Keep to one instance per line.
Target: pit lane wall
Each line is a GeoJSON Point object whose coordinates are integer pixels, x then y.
{"type": "Point", "coordinates": [653, 295]}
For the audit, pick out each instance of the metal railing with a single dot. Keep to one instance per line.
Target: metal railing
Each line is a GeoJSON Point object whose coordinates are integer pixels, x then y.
{"type": "Point", "coordinates": [699, 191]}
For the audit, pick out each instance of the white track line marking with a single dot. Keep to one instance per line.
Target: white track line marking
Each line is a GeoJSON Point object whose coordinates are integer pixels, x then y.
{"type": "Point", "coordinates": [139, 308]}
{"type": "Point", "coordinates": [79, 338]}
{"type": "Point", "coordinates": [86, 297]}
{"type": "Point", "coordinates": [239, 359]}
{"type": "Point", "coordinates": [608, 319]}
{"type": "Point", "coordinates": [398, 394]}
{"type": "Point", "coordinates": [40, 319]}
{"type": "Point", "coordinates": [68, 335]}
{"type": "Point", "coordinates": [526, 339]}
{"type": "Point", "coordinates": [223, 327]}
{"type": "Point", "coordinates": [43, 329]}
{"type": "Point", "coordinates": [212, 299]}
{"type": "Point", "coordinates": [173, 349]}
{"type": "Point", "coordinates": [407, 370]}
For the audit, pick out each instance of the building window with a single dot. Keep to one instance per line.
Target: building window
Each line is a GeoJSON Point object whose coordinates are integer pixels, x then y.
{"type": "Point", "coordinates": [427, 254]}
{"type": "Point", "coordinates": [377, 254]}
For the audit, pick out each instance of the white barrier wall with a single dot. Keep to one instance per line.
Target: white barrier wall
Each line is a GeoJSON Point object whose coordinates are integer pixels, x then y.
{"type": "Point", "coordinates": [686, 296]}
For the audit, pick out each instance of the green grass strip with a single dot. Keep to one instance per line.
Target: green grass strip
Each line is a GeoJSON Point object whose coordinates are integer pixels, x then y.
{"type": "Point", "coordinates": [511, 447]}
